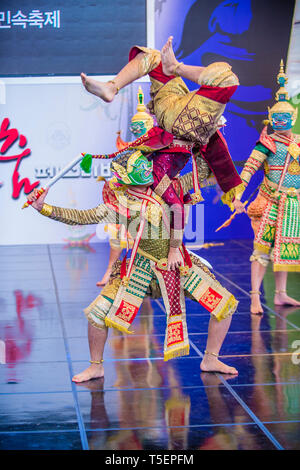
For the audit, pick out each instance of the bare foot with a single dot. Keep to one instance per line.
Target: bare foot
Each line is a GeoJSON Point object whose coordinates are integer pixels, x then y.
{"type": "Point", "coordinates": [105, 278]}
{"type": "Point", "coordinates": [281, 298]}
{"type": "Point", "coordinates": [256, 308]}
{"type": "Point", "coordinates": [95, 371]}
{"type": "Point", "coordinates": [105, 91]}
{"type": "Point", "coordinates": [210, 380]}
{"type": "Point", "coordinates": [95, 385]}
{"type": "Point", "coordinates": [212, 364]}
{"type": "Point", "coordinates": [168, 58]}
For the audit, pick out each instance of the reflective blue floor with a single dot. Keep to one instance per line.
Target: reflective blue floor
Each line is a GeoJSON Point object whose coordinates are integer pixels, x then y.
{"type": "Point", "coordinates": [143, 402]}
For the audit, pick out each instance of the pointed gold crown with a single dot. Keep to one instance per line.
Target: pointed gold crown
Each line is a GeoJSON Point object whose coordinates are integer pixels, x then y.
{"type": "Point", "coordinates": [142, 113]}
{"type": "Point", "coordinates": [282, 97]}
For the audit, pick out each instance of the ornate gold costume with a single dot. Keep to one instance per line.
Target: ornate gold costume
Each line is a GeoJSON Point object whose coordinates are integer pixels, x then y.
{"type": "Point", "coordinates": [119, 302]}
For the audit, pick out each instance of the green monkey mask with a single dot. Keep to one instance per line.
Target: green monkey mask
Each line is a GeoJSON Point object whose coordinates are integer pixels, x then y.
{"type": "Point", "coordinates": [132, 167]}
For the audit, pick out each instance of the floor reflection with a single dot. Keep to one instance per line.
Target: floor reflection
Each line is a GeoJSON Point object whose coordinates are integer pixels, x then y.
{"type": "Point", "coordinates": [143, 402]}
{"type": "Point", "coordinates": [16, 335]}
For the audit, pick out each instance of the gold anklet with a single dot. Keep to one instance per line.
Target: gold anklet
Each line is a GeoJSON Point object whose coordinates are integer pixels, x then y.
{"type": "Point", "coordinates": [254, 292]}
{"type": "Point", "coordinates": [280, 290]}
{"type": "Point", "coordinates": [211, 353]}
{"type": "Point", "coordinates": [176, 67]}
{"type": "Point", "coordinates": [97, 362]}
{"type": "Point", "coordinates": [112, 81]}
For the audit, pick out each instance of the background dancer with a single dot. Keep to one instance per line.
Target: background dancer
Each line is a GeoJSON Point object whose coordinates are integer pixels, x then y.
{"type": "Point", "coordinates": [274, 213]}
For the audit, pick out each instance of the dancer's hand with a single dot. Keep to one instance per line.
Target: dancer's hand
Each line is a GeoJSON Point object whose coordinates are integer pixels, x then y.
{"type": "Point", "coordinates": [239, 206]}
{"type": "Point", "coordinates": [37, 202]}
{"type": "Point", "coordinates": [174, 259]}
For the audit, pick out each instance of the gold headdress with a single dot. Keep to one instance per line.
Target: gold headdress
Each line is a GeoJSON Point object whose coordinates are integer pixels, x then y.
{"type": "Point", "coordinates": [282, 97]}
{"type": "Point", "coordinates": [141, 122]}
{"type": "Point", "coordinates": [142, 115]}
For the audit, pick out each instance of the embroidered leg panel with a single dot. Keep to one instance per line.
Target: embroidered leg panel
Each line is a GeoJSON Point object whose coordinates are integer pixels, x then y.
{"type": "Point", "coordinates": [129, 297]}
{"type": "Point", "coordinates": [206, 290]}
{"type": "Point", "coordinates": [287, 236]}
{"type": "Point", "coordinates": [176, 338]}
{"type": "Point", "coordinates": [265, 235]}
{"type": "Point", "coordinates": [97, 311]}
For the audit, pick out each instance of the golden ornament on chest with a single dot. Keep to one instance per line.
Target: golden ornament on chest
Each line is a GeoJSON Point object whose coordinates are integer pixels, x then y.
{"type": "Point", "coordinates": [294, 151]}
{"type": "Point", "coordinates": [294, 168]}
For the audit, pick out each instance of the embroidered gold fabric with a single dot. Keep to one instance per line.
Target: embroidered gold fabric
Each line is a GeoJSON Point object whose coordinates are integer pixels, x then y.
{"type": "Point", "coordinates": [181, 112]}
{"type": "Point", "coordinates": [250, 167]}
{"type": "Point", "coordinates": [46, 210]}
{"type": "Point", "coordinates": [83, 217]}
{"type": "Point", "coordinates": [203, 173]}
{"type": "Point", "coordinates": [234, 193]}
{"type": "Point", "coordinates": [163, 185]}
{"type": "Point", "coordinates": [149, 61]}
{"type": "Point", "coordinates": [218, 74]}
{"type": "Point", "coordinates": [192, 117]}
{"type": "Point", "coordinates": [155, 239]}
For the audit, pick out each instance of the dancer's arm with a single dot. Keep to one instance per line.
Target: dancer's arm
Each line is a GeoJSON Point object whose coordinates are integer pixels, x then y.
{"type": "Point", "coordinates": [204, 172]}
{"type": "Point", "coordinates": [99, 214]}
{"type": "Point", "coordinates": [258, 156]}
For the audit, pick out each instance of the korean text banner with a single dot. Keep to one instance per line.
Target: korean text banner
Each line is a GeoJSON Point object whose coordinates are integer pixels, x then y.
{"type": "Point", "coordinates": [68, 37]}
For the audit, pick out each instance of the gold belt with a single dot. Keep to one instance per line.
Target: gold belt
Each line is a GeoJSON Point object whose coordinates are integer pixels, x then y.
{"type": "Point", "coordinates": [163, 263]}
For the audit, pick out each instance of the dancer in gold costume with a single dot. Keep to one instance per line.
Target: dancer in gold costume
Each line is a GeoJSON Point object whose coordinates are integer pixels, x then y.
{"type": "Point", "coordinates": [146, 216]}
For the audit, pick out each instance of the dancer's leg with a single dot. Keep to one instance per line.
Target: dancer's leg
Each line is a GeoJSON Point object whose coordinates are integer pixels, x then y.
{"type": "Point", "coordinates": [97, 339]}
{"type": "Point", "coordinates": [107, 90]}
{"type": "Point", "coordinates": [217, 331]}
{"type": "Point", "coordinates": [257, 275]}
{"type": "Point", "coordinates": [281, 297]}
{"type": "Point", "coordinates": [169, 62]}
{"type": "Point", "coordinates": [114, 255]}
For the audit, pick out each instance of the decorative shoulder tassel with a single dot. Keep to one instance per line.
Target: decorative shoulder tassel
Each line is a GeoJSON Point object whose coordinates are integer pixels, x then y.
{"type": "Point", "coordinates": [228, 197]}
{"type": "Point", "coordinates": [86, 163]}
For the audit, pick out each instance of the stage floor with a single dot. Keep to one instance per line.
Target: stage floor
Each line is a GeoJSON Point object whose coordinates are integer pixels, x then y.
{"type": "Point", "coordinates": [143, 402]}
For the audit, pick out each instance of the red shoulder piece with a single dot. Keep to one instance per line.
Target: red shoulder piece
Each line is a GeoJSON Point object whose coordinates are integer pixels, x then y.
{"type": "Point", "coordinates": [156, 138]}
{"type": "Point", "coordinates": [110, 200]}
{"type": "Point", "coordinates": [267, 141]}
{"type": "Point", "coordinates": [219, 160]}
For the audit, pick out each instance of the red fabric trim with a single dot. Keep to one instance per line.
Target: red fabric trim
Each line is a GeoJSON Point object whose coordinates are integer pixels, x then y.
{"type": "Point", "coordinates": [187, 257]}
{"type": "Point", "coordinates": [181, 150]}
{"type": "Point", "coordinates": [216, 93]}
{"type": "Point", "coordinates": [134, 52]}
{"type": "Point", "coordinates": [267, 141]}
{"type": "Point", "coordinates": [156, 73]}
{"type": "Point", "coordinates": [111, 201]}
{"type": "Point", "coordinates": [156, 138]}
{"type": "Point", "coordinates": [219, 160]}
{"type": "Point", "coordinates": [123, 266]}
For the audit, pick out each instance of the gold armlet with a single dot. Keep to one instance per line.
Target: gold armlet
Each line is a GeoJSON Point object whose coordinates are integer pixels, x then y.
{"type": "Point", "coordinates": [46, 210]}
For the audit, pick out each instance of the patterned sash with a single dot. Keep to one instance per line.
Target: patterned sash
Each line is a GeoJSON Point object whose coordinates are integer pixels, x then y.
{"type": "Point", "coordinates": [280, 228]}
{"type": "Point", "coordinates": [287, 236]}
{"type": "Point", "coordinates": [176, 339]}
